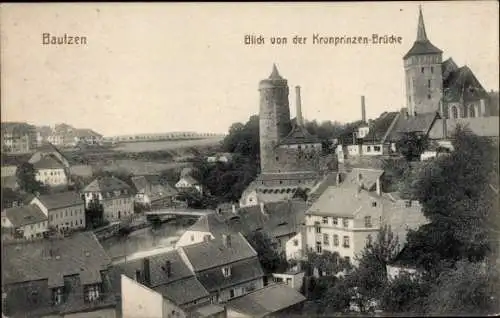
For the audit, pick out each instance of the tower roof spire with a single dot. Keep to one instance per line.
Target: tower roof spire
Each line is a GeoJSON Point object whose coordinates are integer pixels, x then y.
{"type": "Point", "coordinates": [275, 74]}
{"type": "Point", "coordinates": [421, 34]}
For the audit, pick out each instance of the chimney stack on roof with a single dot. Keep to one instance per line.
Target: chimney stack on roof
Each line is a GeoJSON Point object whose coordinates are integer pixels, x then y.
{"type": "Point", "coordinates": [168, 268]}
{"type": "Point", "coordinates": [363, 109]}
{"type": "Point", "coordinates": [226, 240]}
{"type": "Point", "coordinates": [298, 106]}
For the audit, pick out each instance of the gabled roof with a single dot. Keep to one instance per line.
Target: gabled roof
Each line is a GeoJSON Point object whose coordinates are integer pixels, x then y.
{"type": "Point", "coordinates": [25, 215]}
{"type": "Point", "coordinates": [212, 223]}
{"type": "Point", "coordinates": [241, 271]}
{"type": "Point", "coordinates": [422, 123]}
{"type": "Point", "coordinates": [48, 162]}
{"type": "Point", "coordinates": [213, 253]}
{"type": "Point", "coordinates": [462, 84]}
{"type": "Point", "coordinates": [422, 45]}
{"type": "Point", "coordinates": [106, 184]}
{"type": "Point", "coordinates": [380, 126]}
{"type": "Point", "coordinates": [447, 67]}
{"type": "Point", "coordinates": [60, 200]}
{"type": "Point", "coordinates": [79, 254]}
{"type": "Point", "coordinates": [190, 180]}
{"type": "Point", "coordinates": [153, 186]}
{"type": "Point", "coordinates": [299, 135]}
{"type": "Point", "coordinates": [265, 301]}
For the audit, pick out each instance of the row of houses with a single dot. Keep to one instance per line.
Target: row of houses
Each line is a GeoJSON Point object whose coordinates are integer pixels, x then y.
{"type": "Point", "coordinates": [74, 277]}
{"type": "Point", "coordinates": [18, 137]}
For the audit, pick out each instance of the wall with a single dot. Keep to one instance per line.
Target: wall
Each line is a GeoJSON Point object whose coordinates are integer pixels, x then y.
{"type": "Point", "coordinates": [354, 150]}
{"type": "Point", "coordinates": [297, 159]}
{"type": "Point", "coordinates": [138, 301]}
{"type": "Point", "coordinates": [240, 290]}
{"type": "Point", "coordinates": [52, 177]}
{"type": "Point", "coordinates": [481, 126]}
{"type": "Point", "coordinates": [192, 237]}
{"type": "Point", "coordinates": [67, 217]}
{"type": "Point", "coordinates": [81, 170]}
{"type": "Point", "coordinates": [8, 171]}
{"type": "Point", "coordinates": [372, 150]}
{"type": "Point", "coordinates": [118, 208]}
{"type": "Point", "coordinates": [293, 280]}
{"type": "Point", "coordinates": [100, 313]}
{"type": "Point", "coordinates": [35, 230]}
{"type": "Point", "coordinates": [293, 247]}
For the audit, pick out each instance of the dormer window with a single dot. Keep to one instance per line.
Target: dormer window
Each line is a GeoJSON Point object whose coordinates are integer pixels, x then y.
{"type": "Point", "coordinates": [226, 271]}
{"type": "Point", "coordinates": [57, 295]}
{"type": "Point", "coordinates": [92, 292]}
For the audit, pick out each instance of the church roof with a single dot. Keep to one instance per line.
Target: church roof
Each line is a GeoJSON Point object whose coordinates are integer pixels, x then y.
{"type": "Point", "coordinates": [448, 67]}
{"type": "Point", "coordinates": [299, 135]}
{"type": "Point", "coordinates": [422, 45]}
{"type": "Point", "coordinates": [419, 123]}
{"type": "Point", "coordinates": [462, 84]}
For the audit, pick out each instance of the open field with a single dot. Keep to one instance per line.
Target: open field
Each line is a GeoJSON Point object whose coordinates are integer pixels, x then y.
{"type": "Point", "coordinates": [175, 145]}
{"type": "Point", "coordinates": [139, 167]}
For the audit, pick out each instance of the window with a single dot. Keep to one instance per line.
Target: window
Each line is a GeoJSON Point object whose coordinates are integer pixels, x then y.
{"type": "Point", "coordinates": [345, 222]}
{"type": "Point", "coordinates": [92, 293]}
{"type": "Point", "coordinates": [277, 158]}
{"type": "Point", "coordinates": [226, 271]}
{"type": "Point", "coordinates": [289, 281]}
{"type": "Point", "coordinates": [347, 259]}
{"type": "Point", "coordinates": [335, 221]}
{"type": "Point", "coordinates": [325, 220]}
{"type": "Point", "coordinates": [422, 70]}
{"type": "Point", "coordinates": [318, 228]}
{"type": "Point", "coordinates": [432, 69]}
{"type": "Point", "coordinates": [231, 293]}
{"type": "Point", "coordinates": [454, 112]}
{"type": "Point", "coordinates": [295, 242]}
{"type": "Point", "coordinates": [51, 217]}
{"type": "Point", "coordinates": [429, 83]}
{"type": "Point", "coordinates": [66, 213]}
{"type": "Point", "coordinates": [374, 204]}
{"type": "Point", "coordinates": [81, 221]}
{"type": "Point", "coordinates": [376, 148]}
{"type": "Point", "coordinates": [408, 203]}
{"type": "Point", "coordinates": [335, 240]}
{"type": "Point", "coordinates": [192, 238]}
{"type": "Point", "coordinates": [428, 96]}
{"type": "Point", "coordinates": [368, 221]}
{"type": "Point", "coordinates": [346, 241]}
{"type": "Point", "coordinates": [318, 247]}
{"type": "Point", "coordinates": [57, 295]}
{"type": "Point", "coordinates": [472, 111]}
{"type": "Point", "coordinates": [326, 239]}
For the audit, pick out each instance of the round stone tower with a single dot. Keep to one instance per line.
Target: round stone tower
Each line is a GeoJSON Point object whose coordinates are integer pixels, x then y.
{"type": "Point", "coordinates": [274, 118]}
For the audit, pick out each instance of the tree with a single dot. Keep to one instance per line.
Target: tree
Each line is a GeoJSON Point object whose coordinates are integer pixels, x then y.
{"type": "Point", "coordinates": [411, 145]}
{"type": "Point", "coordinates": [26, 175]}
{"type": "Point", "coordinates": [369, 279]}
{"type": "Point", "coordinates": [244, 138]}
{"type": "Point", "coordinates": [269, 258]}
{"type": "Point", "coordinates": [405, 294]}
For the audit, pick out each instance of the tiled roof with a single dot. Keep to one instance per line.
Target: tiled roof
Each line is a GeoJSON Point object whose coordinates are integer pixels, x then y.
{"type": "Point", "coordinates": [242, 271]}
{"type": "Point", "coordinates": [181, 286]}
{"type": "Point", "coordinates": [463, 84]}
{"type": "Point", "coordinates": [60, 200]}
{"type": "Point", "coordinates": [418, 123]}
{"type": "Point", "coordinates": [54, 258]}
{"type": "Point", "coordinates": [153, 186]}
{"type": "Point", "coordinates": [299, 135]}
{"type": "Point", "coordinates": [422, 45]}
{"type": "Point", "coordinates": [266, 301]}
{"type": "Point", "coordinates": [207, 311]}
{"type": "Point", "coordinates": [212, 223]}
{"type": "Point", "coordinates": [447, 67]}
{"type": "Point", "coordinates": [106, 184]}
{"type": "Point", "coordinates": [287, 176]}
{"type": "Point", "coordinates": [48, 162]}
{"type": "Point", "coordinates": [380, 126]}
{"type": "Point", "coordinates": [25, 215]}
{"type": "Point", "coordinates": [17, 128]}
{"type": "Point", "coordinates": [213, 253]}
{"type": "Point", "coordinates": [84, 132]}
{"type": "Point", "coordinates": [368, 178]}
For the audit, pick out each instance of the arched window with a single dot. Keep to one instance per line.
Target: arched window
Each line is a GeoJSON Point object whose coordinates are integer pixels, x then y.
{"type": "Point", "coordinates": [454, 112]}
{"type": "Point", "coordinates": [472, 111]}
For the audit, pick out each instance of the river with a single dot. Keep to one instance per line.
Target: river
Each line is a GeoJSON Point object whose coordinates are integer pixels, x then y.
{"type": "Point", "coordinates": [144, 242]}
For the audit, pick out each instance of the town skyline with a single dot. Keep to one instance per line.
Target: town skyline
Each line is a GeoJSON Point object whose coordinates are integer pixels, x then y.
{"type": "Point", "coordinates": [149, 77]}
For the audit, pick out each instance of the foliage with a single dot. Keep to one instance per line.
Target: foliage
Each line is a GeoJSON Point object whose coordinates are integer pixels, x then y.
{"type": "Point", "coordinates": [326, 263]}
{"type": "Point", "coordinates": [396, 171]}
{"type": "Point", "coordinates": [244, 138]}
{"type": "Point", "coordinates": [456, 198]}
{"type": "Point", "coordinates": [405, 294]}
{"type": "Point", "coordinates": [26, 176]}
{"type": "Point", "coordinates": [269, 258]}
{"type": "Point", "coordinates": [412, 145]}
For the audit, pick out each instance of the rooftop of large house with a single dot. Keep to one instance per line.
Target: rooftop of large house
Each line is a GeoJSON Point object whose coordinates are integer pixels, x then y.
{"type": "Point", "coordinates": [31, 270]}
{"type": "Point", "coordinates": [48, 162]}
{"type": "Point", "coordinates": [25, 215]}
{"type": "Point", "coordinates": [418, 123]}
{"type": "Point", "coordinates": [174, 280]}
{"type": "Point", "coordinates": [266, 301]}
{"type": "Point", "coordinates": [380, 126]}
{"type": "Point", "coordinates": [299, 135]}
{"type": "Point", "coordinates": [153, 185]}
{"type": "Point", "coordinates": [106, 184]}
{"type": "Point", "coordinates": [60, 200]}
{"type": "Point", "coordinates": [216, 252]}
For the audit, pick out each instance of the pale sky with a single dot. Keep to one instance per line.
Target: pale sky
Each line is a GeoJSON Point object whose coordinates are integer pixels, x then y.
{"type": "Point", "coordinates": [163, 67]}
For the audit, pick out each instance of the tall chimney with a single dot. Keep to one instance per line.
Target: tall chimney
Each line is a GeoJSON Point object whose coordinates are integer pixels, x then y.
{"type": "Point", "coordinates": [299, 106]}
{"type": "Point", "coordinates": [363, 109]}
{"type": "Point", "coordinates": [147, 271]}
{"type": "Point", "coordinates": [168, 268]}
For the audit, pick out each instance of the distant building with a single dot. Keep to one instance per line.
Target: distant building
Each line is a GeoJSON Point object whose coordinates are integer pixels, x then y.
{"type": "Point", "coordinates": [188, 183]}
{"type": "Point", "coordinates": [153, 192]}
{"type": "Point", "coordinates": [49, 150]}
{"type": "Point", "coordinates": [114, 195]}
{"type": "Point", "coordinates": [27, 221]}
{"type": "Point", "coordinates": [221, 157]}
{"type": "Point", "coordinates": [50, 172]}
{"type": "Point", "coordinates": [64, 277]}
{"type": "Point", "coordinates": [18, 137]}
{"type": "Point", "coordinates": [293, 278]}
{"type": "Point", "coordinates": [65, 210]}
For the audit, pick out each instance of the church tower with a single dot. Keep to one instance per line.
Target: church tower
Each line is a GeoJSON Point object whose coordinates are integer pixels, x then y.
{"type": "Point", "coordinates": [423, 74]}
{"type": "Point", "coordinates": [274, 118]}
